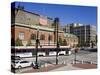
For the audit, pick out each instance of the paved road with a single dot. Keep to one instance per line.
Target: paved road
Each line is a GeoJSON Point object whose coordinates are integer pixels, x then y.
{"type": "Point", "coordinates": [82, 55]}
{"type": "Point", "coordinates": [66, 68]}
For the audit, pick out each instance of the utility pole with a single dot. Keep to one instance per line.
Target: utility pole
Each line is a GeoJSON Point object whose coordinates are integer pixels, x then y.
{"type": "Point", "coordinates": [37, 42]}
{"type": "Point", "coordinates": [56, 21]}
{"type": "Point", "coordinates": [49, 40]}
{"type": "Point", "coordinates": [76, 51]}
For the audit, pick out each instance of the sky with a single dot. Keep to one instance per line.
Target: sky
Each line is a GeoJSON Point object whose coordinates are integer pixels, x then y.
{"type": "Point", "coordinates": [66, 13]}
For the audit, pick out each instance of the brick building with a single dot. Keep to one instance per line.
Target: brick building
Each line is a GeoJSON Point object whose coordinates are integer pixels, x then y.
{"type": "Point", "coordinates": [25, 25]}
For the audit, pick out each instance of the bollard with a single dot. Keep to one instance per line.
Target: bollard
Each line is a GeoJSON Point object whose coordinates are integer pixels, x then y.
{"type": "Point", "coordinates": [91, 62]}
{"type": "Point", "coordinates": [73, 62]}
{"type": "Point", "coordinates": [63, 62]}
{"type": "Point", "coordinates": [46, 64]}
{"type": "Point", "coordinates": [82, 62]}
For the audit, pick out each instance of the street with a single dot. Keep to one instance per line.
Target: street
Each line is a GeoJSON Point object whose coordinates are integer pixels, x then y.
{"type": "Point", "coordinates": [80, 56]}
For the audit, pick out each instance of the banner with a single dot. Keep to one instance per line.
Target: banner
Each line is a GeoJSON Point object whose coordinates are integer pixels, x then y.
{"type": "Point", "coordinates": [43, 20]}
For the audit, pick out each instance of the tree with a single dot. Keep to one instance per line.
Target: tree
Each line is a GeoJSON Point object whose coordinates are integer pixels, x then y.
{"type": "Point", "coordinates": [60, 41]}
{"type": "Point", "coordinates": [64, 42]}
{"type": "Point", "coordinates": [79, 45]}
{"type": "Point", "coordinates": [96, 39]}
{"type": "Point", "coordinates": [29, 43]}
{"type": "Point", "coordinates": [18, 42]}
{"type": "Point", "coordinates": [92, 44]}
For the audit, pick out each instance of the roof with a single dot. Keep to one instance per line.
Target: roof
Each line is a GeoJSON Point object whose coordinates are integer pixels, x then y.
{"type": "Point", "coordinates": [69, 35]}
{"type": "Point", "coordinates": [35, 27]}
{"type": "Point", "coordinates": [30, 12]}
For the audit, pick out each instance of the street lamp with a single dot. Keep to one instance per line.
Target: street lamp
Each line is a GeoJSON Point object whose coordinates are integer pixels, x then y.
{"type": "Point", "coordinates": [37, 42]}
{"type": "Point", "coordinates": [76, 50]}
{"type": "Point", "coordinates": [56, 22]}
{"type": "Point", "coordinates": [49, 39]}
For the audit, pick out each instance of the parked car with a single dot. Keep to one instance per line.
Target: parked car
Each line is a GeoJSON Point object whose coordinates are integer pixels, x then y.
{"type": "Point", "coordinates": [20, 64]}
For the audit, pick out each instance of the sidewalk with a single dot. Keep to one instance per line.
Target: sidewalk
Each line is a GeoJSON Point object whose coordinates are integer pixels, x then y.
{"type": "Point", "coordinates": [60, 67]}
{"type": "Point", "coordinates": [86, 66]}
{"type": "Point", "coordinates": [66, 68]}
{"type": "Point", "coordinates": [76, 67]}
{"type": "Point", "coordinates": [43, 69]}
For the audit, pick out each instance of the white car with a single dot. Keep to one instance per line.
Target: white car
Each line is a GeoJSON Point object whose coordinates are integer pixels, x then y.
{"type": "Point", "coordinates": [21, 63]}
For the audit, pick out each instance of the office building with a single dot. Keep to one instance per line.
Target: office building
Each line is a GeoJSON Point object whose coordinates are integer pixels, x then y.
{"type": "Point", "coordinates": [85, 33]}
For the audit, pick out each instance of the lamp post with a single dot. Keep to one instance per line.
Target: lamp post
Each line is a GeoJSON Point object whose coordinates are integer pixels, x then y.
{"type": "Point", "coordinates": [37, 42]}
{"type": "Point", "coordinates": [56, 21]}
{"type": "Point", "coordinates": [76, 50]}
{"type": "Point", "coordinates": [75, 57]}
{"type": "Point", "coordinates": [49, 40]}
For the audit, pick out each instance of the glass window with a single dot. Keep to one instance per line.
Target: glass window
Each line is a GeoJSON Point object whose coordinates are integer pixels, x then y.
{"type": "Point", "coordinates": [42, 37]}
{"type": "Point", "coordinates": [33, 36]}
{"type": "Point", "coordinates": [24, 62]}
{"type": "Point", "coordinates": [21, 35]}
{"type": "Point", "coordinates": [50, 37]}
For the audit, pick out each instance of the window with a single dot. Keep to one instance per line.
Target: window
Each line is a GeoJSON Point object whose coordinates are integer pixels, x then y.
{"type": "Point", "coordinates": [50, 37]}
{"type": "Point", "coordinates": [59, 36]}
{"type": "Point", "coordinates": [33, 36]}
{"type": "Point", "coordinates": [24, 62]}
{"type": "Point", "coordinates": [21, 35]}
{"type": "Point", "coordinates": [42, 37]}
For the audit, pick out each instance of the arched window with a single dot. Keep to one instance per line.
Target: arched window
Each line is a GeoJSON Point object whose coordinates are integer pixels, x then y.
{"type": "Point", "coordinates": [33, 36]}
{"type": "Point", "coordinates": [42, 37]}
{"type": "Point", "coordinates": [50, 37]}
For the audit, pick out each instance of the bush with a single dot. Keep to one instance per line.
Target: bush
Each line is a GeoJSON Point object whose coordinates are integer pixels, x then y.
{"type": "Point", "coordinates": [29, 43]}
{"type": "Point", "coordinates": [18, 42]}
{"type": "Point", "coordinates": [60, 41]}
{"type": "Point", "coordinates": [64, 42]}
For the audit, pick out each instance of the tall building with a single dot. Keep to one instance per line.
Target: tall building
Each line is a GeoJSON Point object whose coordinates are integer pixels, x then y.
{"type": "Point", "coordinates": [85, 33]}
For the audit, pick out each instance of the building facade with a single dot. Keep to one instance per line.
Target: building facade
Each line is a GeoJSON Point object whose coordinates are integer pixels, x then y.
{"type": "Point", "coordinates": [71, 39]}
{"type": "Point", "coordinates": [25, 25]}
{"type": "Point", "coordinates": [85, 33]}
